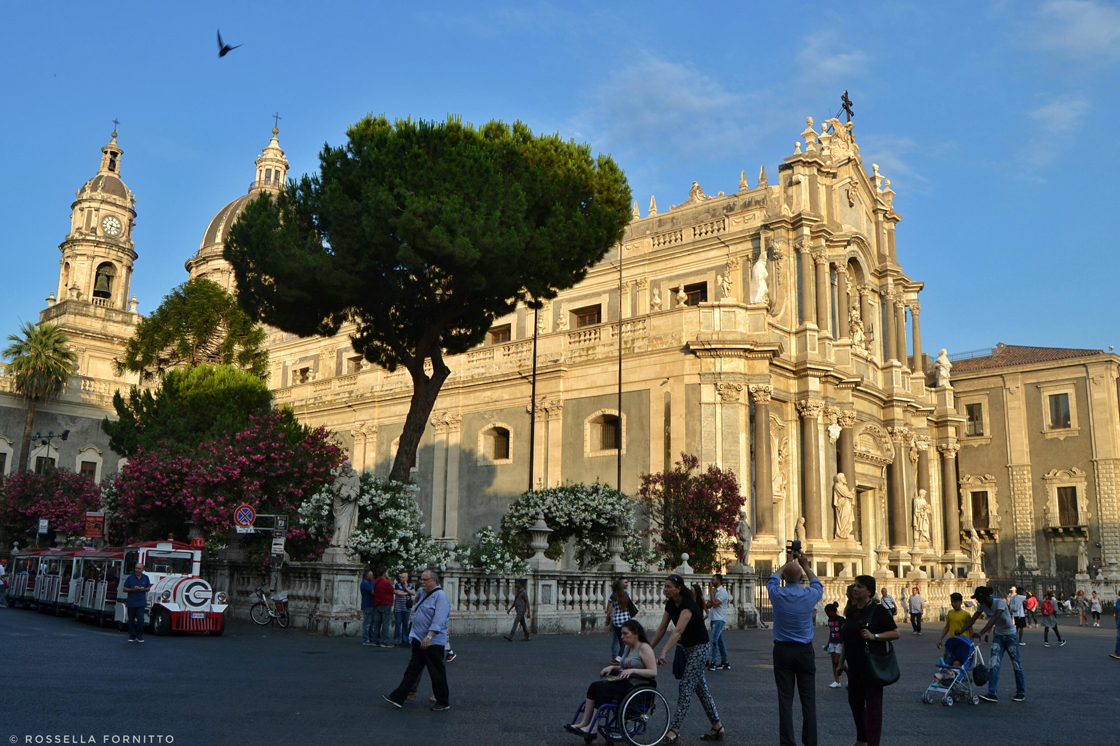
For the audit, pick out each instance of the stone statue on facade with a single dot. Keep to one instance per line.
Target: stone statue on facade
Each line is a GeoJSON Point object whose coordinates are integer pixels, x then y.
{"type": "Point", "coordinates": [781, 459]}
{"type": "Point", "coordinates": [743, 540]}
{"type": "Point", "coordinates": [1082, 559]}
{"type": "Point", "coordinates": [725, 284]}
{"type": "Point", "coordinates": [921, 518]}
{"type": "Point", "coordinates": [942, 368]}
{"type": "Point", "coordinates": [857, 333]}
{"type": "Point", "coordinates": [799, 532]}
{"type": "Point", "coordinates": [562, 322]}
{"type": "Point", "coordinates": [656, 301]}
{"type": "Point", "coordinates": [976, 549]}
{"type": "Point", "coordinates": [843, 501]}
{"type": "Point", "coordinates": [759, 289]}
{"type": "Point", "coordinates": [347, 485]}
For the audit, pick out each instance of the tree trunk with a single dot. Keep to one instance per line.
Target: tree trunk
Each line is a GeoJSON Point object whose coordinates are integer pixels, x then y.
{"type": "Point", "coordinates": [424, 393]}
{"type": "Point", "coordinates": [25, 446]}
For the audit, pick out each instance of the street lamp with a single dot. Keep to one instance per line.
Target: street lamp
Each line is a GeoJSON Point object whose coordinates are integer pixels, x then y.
{"type": "Point", "coordinates": [47, 439]}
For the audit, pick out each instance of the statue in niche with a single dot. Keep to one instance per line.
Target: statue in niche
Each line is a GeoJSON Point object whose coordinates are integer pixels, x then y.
{"type": "Point", "coordinates": [976, 549]}
{"type": "Point", "coordinates": [743, 540]}
{"type": "Point", "coordinates": [760, 291]}
{"type": "Point", "coordinates": [656, 301]}
{"type": "Point", "coordinates": [346, 487]}
{"type": "Point", "coordinates": [843, 501]}
{"type": "Point", "coordinates": [942, 368]}
{"type": "Point", "coordinates": [856, 332]}
{"type": "Point", "coordinates": [562, 322]}
{"type": "Point", "coordinates": [725, 284]}
{"type": "Point", "coordinates": [921, 518]}
{"type": "Point", "coordinates": [799, 532]}
{"type": "Point", "coordinates": [781, 460]}
{"type": "Point", "coordinates": [1082, 559]}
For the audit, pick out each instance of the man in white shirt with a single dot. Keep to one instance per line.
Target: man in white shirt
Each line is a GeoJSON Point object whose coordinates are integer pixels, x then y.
{"type": "Point", "coordinates": [917, 605]}
{"type": "Point", "coordinates": [717, 615]}
{"type": "Point", "coordinates": [3, 583]}
{"type": "Point", "coordinates": [1017, 605]}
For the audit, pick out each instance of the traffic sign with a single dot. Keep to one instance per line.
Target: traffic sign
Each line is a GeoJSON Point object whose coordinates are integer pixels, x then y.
{"type": "Point", "coordinates": [281, 523]}
{"type": "Point", "coordinates": [278, 545]}
{"type": "Point", "coordinates": [44, 526]}
{"type": "Point", "coordinates": [244, 515]}
{"type": "Point", "coordinates": [95, 525]}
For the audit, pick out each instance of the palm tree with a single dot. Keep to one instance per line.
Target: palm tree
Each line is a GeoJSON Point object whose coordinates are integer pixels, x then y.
{"type": "Point", "coordinates": [41, 363]}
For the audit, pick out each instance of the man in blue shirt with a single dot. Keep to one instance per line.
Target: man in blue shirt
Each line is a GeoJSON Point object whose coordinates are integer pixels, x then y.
{"type": "Point", "coordinates": [793, 606]}
{"type": "Point", "coordinates": [368, 606]}
{"type": "Point", "coordinates": [136, 587]}
{"type": "Point", "coordinates": [428, 636]}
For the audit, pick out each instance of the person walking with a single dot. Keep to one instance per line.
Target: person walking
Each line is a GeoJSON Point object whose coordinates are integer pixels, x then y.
{"type": "Point", "coordinates": [1017, 605]}
{"type": "Point", "coordinates": [1003, 641]}
{"type": "Point", "coordinates": [793, 606]}
{"type": "Point", "coordinates": [888, 602]}
{"type": "Point", "coordinates": [3, 583]}
{"type": "Point", "coordinates": [403, 593]}
{"type": "Point", "coordinates": [1081, 606]}
{"type": "Point", "coordinates": [916, 605]}
{"type": "Point", "coordinates": [1032, 610]}
{"type": "Point", "coordinates": [1115, 654]}
{"type": "Point", "coordinates": [1095, 609]}
{"type": "Point", "coordinates": [619, 609]}
{"type": "Point", "coordinates": [835, 647]}
{"type": "Point", "coordinates": [382, 609]}
{"type": "Point", "coordinates": [521, 603]}
{"type": "Point", "coordinates": [428, 637]}
{"type": "Point", "coordinates": [868, 627]}
{"type": "Point", "coordinates": [366, 590]}
{"type": "Point", "coordinates": [717, 615]}
{"type": "Point", "coordinates": [955, 620]}
{"type": "Point", "coordinates": [136, 586]}
{"type": "Point", "coordinates": [1050, 620]}
{"type": "Point", "coordinates": [688, 629]}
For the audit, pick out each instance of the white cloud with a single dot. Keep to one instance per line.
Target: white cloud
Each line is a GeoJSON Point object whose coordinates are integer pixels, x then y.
{"type": "Point", "coordinates": [890, 153]}
{"type": "Point", "coordinates": [1061, 115]}
{"type": "Point", "coordinates": [1081, 29]}
{"type": "Point", "coordinates": [821, 62]}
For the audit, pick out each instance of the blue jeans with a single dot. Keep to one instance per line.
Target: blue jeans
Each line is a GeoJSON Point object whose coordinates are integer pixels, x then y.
{"type": "Point", "coordinates": [617, 647]}
{"type": "Point", "coordinates": [400, 618]}
{"type": "Point", "coordinates": [1118, 637]}
{"type": "Point", "coordinates": [1006, 644]}
{"type": "Point", "coordinates": [717, 643]}
{"type": "Point", "coordinates": [367, 624]}
{"type": "Point", "coordinates": [382, 616]}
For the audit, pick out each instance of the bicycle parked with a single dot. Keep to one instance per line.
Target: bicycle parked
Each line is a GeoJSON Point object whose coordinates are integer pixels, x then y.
{"type": "Point", "coordinates": [269, 607]}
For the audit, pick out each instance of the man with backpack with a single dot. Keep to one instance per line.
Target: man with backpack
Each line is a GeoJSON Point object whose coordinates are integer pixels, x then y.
{"type": "Point", "coordinates": [1004, 640]}
{"type": "Point", "coordinates": [1050, 620]}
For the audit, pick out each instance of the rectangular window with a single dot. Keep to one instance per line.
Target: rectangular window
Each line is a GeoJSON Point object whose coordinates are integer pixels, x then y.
{"type": "Point", "coordinates": [696, 293]}
{"type": "Point", "coordinates": [3, 464]}
{"type": "Point", "coordinates": [609, 433]}
{"type": "Point", "coordinates": [268, 176]}
{"type": "Point", "coordinates": [1059, 412]}
{"type": "Point", "coordinates": [43, 464]}
{"type": "Point", "coordinates": [501, 334]}
{"type": "Point", "coordinates": [501, 443]}
{"type": "Point", "coordinates": [89, 469]}
{"type": "Point", "coordinates": [588, 316]}
{"type": "Point", "coordinates": [975, 424]}
{"type": "Point", "coordinates": [354, 364]}
{"type": "Point", "coordinates": [980, 509]}
{"type": "Point", "coordinates": [1067, 506]}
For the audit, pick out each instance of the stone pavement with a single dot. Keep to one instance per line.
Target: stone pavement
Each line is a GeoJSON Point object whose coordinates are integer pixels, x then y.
{"type": "Point", "coordinates": [269, 686]}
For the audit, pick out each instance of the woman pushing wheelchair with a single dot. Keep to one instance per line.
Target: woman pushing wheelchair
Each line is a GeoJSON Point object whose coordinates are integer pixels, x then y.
{"type": "Point", "coordinates": [638, 668]}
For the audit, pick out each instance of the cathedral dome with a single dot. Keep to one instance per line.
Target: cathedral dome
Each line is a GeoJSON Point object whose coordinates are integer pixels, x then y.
{"type": "Point", "coordinates": [218, 230]}
{"type": "Point", "coordinates": [106, 184]}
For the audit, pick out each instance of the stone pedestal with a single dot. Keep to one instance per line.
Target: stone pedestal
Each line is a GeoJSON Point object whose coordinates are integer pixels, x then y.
{"type": "Point", "coordinates": [977, 575]}
{"type": "Point", "coordinates": [614, 545]}
{"type": "Point", "coordinates": [740, 569]}
{"type": "Point", "coordinates": [539, 543]}
{"type": "Point", "coordinates": [339, 613]}
{"type": "Point", "coordinates": [336, 556]}
{"type": "Point", "coordinates": [683, 568]}
{"type": "Point", "coordinates": [916, 571]}
{"type": "Point", "coordinates": [882, 557]}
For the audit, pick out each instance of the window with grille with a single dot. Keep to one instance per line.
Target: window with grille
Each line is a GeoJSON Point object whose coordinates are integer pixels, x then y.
{"type": "Point", "coordinates": [499, 443]}
{"type": "Point", "coordinates": [500, 334]}
{"type": "Point", "coordinates": [610, 432]}
{"type": "Point", "coordinates": [1059, 412]}
{"type": "Point", "coordinates": [89, 469]}
{"type": "Point", "coordinates": [43, 464]}
{"type": "Point", "coordinates": [975, 423]}
{"type": "Point", "coordinates": [588, 316]}
{"type": "Point", "coordinates": [696, 293]}
{"type": "Point", "coordinates": [1067, 506]}
{"type": "Point", "coordinates": [980, 509]}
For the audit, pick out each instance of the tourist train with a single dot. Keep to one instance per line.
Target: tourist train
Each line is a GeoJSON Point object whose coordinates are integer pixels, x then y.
{"type": "Point", "coordinates": [84, 582]}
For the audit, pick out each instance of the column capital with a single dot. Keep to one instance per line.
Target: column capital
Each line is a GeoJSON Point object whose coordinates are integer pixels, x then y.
{"type": "Point", "coordinates": [864, 290]}
{"type": "Point", "coordinates": [820, 257]}
{"type": "Point", "coordinates": [810, 408]}
{"type": "Point", "coordinates": [805, 247]}
{"type": "Point", "coordinates": [921, 442]}
{"type": "Point", "coordinates": [949, 450]}
{"type": "Point", "coordinates": [761, 392]}
{"type": "Point", "coordinates": [729, 392]}
{"type": "Point", "coordinates": [627, 284]}
{"type": "Point", "coordinates": [643, 282]}
{"type": "Point", "coordinates": [915, 308]}
{"type": "Point", "coordinates": [899, 301]}
{"type": "Point", "coordinates": [447, 422]}
{"type": "Point", "coordinates": [902, 434]}
{"type": "Point", "coordinates": [846, 418]}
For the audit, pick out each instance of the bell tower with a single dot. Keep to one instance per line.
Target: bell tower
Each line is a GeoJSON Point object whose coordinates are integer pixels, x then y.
{"type": "Point", "coordinates": [92, 302]}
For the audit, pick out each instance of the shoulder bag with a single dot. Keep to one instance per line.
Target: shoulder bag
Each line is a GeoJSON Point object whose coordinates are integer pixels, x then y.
{"type": "Point", "coordinates": [882, 667]}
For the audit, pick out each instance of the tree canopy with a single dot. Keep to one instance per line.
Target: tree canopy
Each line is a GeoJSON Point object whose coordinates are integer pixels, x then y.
{"type": "Point", "coordinates": [191, 406]}
{"type": "Point", "coordinates": [41, 364]}
{"type": "Point", "coordinates": [198, 322]}
{"type": "Point", "coordinates": [421, 234]}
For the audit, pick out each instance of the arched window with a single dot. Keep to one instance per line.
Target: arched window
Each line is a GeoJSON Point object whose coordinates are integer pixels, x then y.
{"type": "Point", "coordinates": [89, 463]}
{"type": "Point", "coordinates": [6, 457]}
{"type": "Point", "coordinates": [103, 282]}
{"type": "Point", "coordinates": [604, 432]}
{"type": "Point", "coordinates": [495, 444]}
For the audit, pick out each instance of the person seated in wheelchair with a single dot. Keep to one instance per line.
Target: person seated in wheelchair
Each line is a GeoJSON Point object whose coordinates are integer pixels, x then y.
{"type": "Point", "coordinates": [637, 669]}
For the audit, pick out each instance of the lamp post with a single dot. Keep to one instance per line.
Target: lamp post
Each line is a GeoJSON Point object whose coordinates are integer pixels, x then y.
{"type": "Point", "coordinates": [46, 440]}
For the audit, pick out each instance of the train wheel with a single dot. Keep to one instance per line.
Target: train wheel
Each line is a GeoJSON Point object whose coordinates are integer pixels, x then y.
{"type": "Point", "coordinates": [161, 622]}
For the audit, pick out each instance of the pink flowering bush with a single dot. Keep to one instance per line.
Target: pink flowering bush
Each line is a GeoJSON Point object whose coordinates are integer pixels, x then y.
{"type": "Point", "coordinates": [266, 465]}
{"type": "Point", "coordinates": [60, 496]}
{"type": "Point", "coordinates": [691, 512]}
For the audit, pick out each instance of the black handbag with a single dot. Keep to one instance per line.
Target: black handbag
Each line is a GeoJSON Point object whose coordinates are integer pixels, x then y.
{"type": "Point", "coordinates": [881, 667]}
{"type": "Point", "coordinates": [679, 661]}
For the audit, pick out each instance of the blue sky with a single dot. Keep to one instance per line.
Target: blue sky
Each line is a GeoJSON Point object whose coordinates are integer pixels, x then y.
{"type": "Point", "coordinates": [994, 122]}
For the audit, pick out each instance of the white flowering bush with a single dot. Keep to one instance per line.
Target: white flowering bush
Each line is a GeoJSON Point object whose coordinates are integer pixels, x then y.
{"type": "Point", "coordinates": [586, 512]}
{"type": "Point", "coordinates": [390, 530]}
{"type": "Point", "coordinates": [490, 554]}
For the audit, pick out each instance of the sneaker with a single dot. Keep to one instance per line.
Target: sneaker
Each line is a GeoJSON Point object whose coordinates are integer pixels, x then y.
{"type": "Point", "coordinates": [1114, 655]}
{"type": "Point", "coordinates": [132, 639]}
{"type": "Point", "coordinates": [451, 656]}
{"type": "Point", "coordinates": [508, 638]}
{"type": "Point", "coordinates": [713, 667]}
{"type": "Point", "coordinates": [1061, 643]}
{"type": "Point", "coordinates": [440, 707]}
{"type": "Point", "coordinates": [834, 685]}
{"type": "Point", "coordinates": [139, 639]}
{"type": "Point", "coordinates": [1022, 644]}
{"type": "Point", "coordinates": [726, 666]}
{"type": "Point", "coordinates": [410, 697]}
{"type": "Point", "coordinates": [394, 703]}
{"type": "Point", "coordinates": [1045, 644]}
{"type": "Point", "coordinates": [1018, 698]}
{"type": "Point", "coordinates": [989, 698]}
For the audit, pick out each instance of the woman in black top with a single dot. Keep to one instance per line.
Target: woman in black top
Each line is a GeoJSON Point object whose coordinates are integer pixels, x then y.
{"type": "Point", "coordinates": [869, 626]}
{"type": "Point", "coordinates": [688, 629]}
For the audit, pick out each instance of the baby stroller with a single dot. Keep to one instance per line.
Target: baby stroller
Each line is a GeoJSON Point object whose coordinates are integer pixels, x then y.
{"type": "Point", "coordinates": [954, 683]}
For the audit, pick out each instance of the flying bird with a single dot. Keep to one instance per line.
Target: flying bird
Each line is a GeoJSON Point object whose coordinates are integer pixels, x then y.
{"type": "Point", "coordinates": [224, 49]}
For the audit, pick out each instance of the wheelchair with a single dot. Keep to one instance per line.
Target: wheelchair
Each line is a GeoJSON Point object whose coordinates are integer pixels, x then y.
{"type": "Point", "coordinates": [640, 718]}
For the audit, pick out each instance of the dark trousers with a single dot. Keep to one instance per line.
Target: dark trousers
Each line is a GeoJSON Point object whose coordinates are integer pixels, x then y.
{"type": "Point", "coordinates": [794, 664]}
{"type": "Point", "coordinates": [866, 700]}
{"type": "Point", "coordinates": [916, 622]}
{"type": "Point", "coordinates": [136, 622]}
{"type": "Point", "coordinates": [432, 659]}
{"type": "Point", "coordinates": [520, 619]}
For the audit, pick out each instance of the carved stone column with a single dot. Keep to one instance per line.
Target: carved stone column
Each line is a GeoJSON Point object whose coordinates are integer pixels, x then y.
{"type": "Point", "coordinates": [919, 363]}
{"type": "Point", "coordinates": [643, 296]}
{"type": "Point", "coordinates": [949, 496]}
{"type": "Point", "coordinates": [900, 328]}
{"type": "Point", "coordinates": [842, 302]}
{"type": "Point", "coordinates": [439, 473]}
{"type": "Point", "coordinates": [451, 501]}
{"type": "Point", "coordinates": [554, 439]}
{"type": "Point", "coordinates": [899, 517]}
{"type": "Point", "coordinates": [625, 300]}
{"type": "Point", "coordinates": [846, 419]}
{"type": "Point", "coordinates": [358, 453]}
{"type": "Point", "coordinates": [445, 475]}
{"type": "Point", "coordinates": [805, 258]}
{"type": "Point", "coordinates": [763, 473]}
{"type": "Point", "coordinates": [810, 411]}
{"type": "Point", "coordinates": [824, 316]}
{"type": "Point", "coordinates": [865, 313]}
{"type": "Point", "coordinates": [891, 338]}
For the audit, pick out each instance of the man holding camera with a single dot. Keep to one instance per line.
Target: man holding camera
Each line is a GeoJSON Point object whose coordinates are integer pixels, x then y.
{"type": "Point", "coordinates": [793, 606]}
